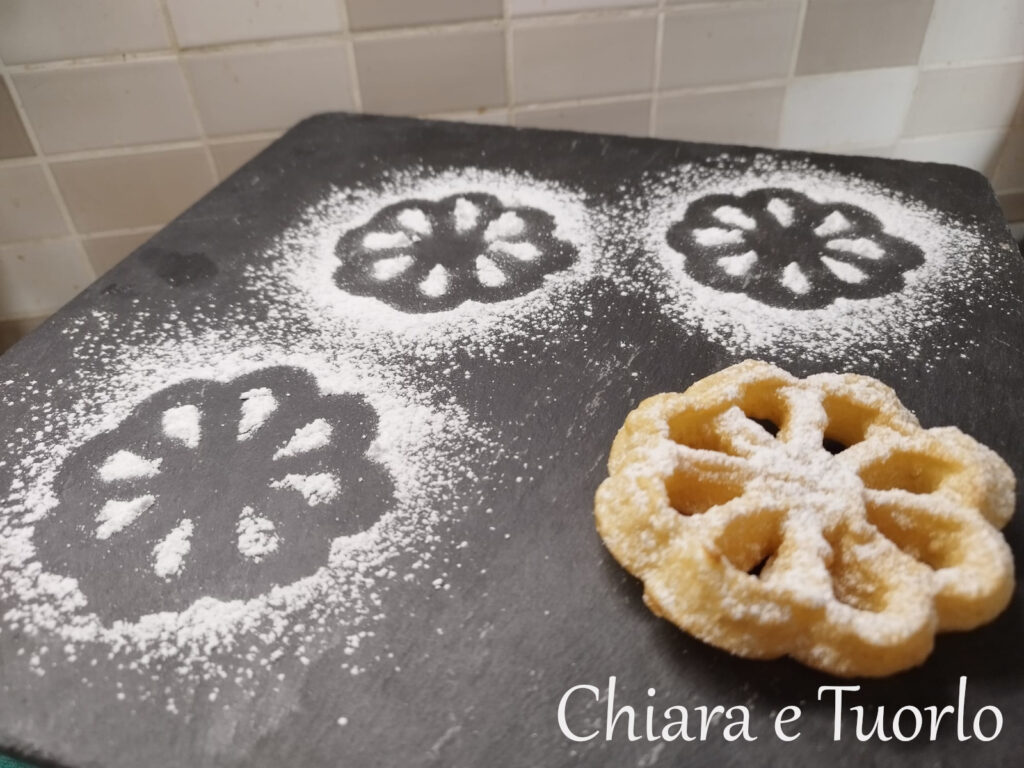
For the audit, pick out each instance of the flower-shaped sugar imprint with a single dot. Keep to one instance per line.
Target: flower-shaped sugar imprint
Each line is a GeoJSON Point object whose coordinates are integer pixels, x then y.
{"type": "Point", "coordinates": [211, 489]}
{"type": "Point", "coordinates": [782, 248]}
{"type": "Point", "coordinates": [427, 256]}
{"type": "Point", "coordinates": [815, 518]}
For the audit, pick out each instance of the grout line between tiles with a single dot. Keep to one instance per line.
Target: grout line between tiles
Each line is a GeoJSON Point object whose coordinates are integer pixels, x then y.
{"type": "Point", "coordinates": [147, 230]}
{"type": "Point", "coordinates": [219, 141]}
{"type": "Point", "coordinates": [134, 149]}
{"type": "Point", "coordinates": [172, 35]}
{"type": "Point", "coordinates": [593, 101]}
{"type": "Point", "coordinates": [44, 241]}
{"type": "Point", "coordinates": [798, 38]}
{"type": "Point", "coordinates": [659, 47]}
{"type": "Point", "coordinates": [355, 87]}
{"type": "Point", "coordinates": [510, 83]}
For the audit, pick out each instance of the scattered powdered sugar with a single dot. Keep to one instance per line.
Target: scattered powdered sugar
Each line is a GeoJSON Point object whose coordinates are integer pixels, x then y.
{"type": "Point", "coordinates": [116, 515]}
{"type": "Point", "coordinates": [416, 220]}
{"type": "Point", "coordinates": [466, 215]}
{"type": "Point", "coordinates": [833, 224]}
{"type": "Point", "coordinates": [738, 265]}
{"type": "Point", "coordinates": [169, 554]}
{"type": "Point", "coordinates": [858, 245]}
{"type": "Point", "coordinates": [782, 211]}
{"type": "Point", "coordinates": [718, 236]}
{"type": "Point", "coordinates": [794, 278]}
{"type": "Point", "coordinates": [379, 241]}
{"type": "Point", "coordinates": [182, 424]}
{"type": "Point", "coordinates": [385, 269]}
{"type": "Point", "coordinates": [864, 328]}
{"type": "Point", "coordinates": [125, 465]}
{"type": "Point", "coordinates": [318, 488]}
{"type": "Point", "coordinates": [735, 217]}
{"type": "Point", "coordinates": [844, 271]}
{"type": "Point", "coordinates": [314, 435]}
{"type": "Point", "coordinates": [436, 281]}
{"type": "Point", "coordinates": [489, 272]}
{"type": "Point", "coordinates": [257, 405]}
{"type": "Point", "coordinates": [507, 225]}
{"type": "Point", "coordinates": [257, 537]}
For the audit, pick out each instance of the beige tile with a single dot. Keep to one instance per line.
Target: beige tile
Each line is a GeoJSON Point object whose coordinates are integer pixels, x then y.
{"type": "Point", "coordinates": [13, 139]}
{"type": "Point", "coordinates": [108, 105]}
{"type": "Point", "coordinates": [841, 35]}
{"type": "Point", "coordinates": [537, 7]}
{"type": "Point", "coordinates": [228, 157]}
{"type": "Point", "coordinates": [47, 30]}
{"type": "Point", "coordinates": [978, 150]}
{"type": "Point", "coordinates": [376, 14]}
{"type": "Point", "coordinates": [747, 116]}
{"type": "Point", "coordinates": [267, 90]}
{"type": "Point", "coordinates": [28, 209]}
{"type": "Point", "coordinates": [37, 278]}
{"type": "Point", "coordinates": [584, 59]}
{"type": "Point", "coordinates": [13, 331]}
{"type": "Point", "coordinates": [627, 118]}
{"type": "Point", "coordinates": [137, 190]}
{"type": "Point", "coordinates": [106, 251]}
{"type": "Point", "coordinates": [421, 74]}
{"type": "Point", "coordinates": [1012, 204]}
{"type": "Point", "coordinates": [709, 45]}
{"type": "Point", "coordinates": [965, 98]}
{"type": "Point", "coordinates": [963, 30]}
{"type": "Point", "coordinates": [866, 107]}
{"type": "Point", "coordinates": [201, 22]}
{"type": "Point", "coordinates": [1009, 175]}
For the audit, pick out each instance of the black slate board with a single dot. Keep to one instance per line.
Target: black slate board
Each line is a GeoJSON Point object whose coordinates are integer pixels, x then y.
{"type": "Point", "coordinates": [553, 609]}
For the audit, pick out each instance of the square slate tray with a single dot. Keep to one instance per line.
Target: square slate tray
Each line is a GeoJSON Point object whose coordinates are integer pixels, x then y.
{"type": "Point", "coordinates": [537, 605]}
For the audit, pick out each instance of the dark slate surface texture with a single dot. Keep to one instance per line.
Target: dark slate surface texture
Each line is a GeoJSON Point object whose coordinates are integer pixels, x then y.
{"type": "Point", "coordinates": [558, 610]}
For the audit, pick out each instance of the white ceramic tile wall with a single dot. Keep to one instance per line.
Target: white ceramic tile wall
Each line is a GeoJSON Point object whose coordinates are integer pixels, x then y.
{"type": "Point", "coordinates": [99, 98]}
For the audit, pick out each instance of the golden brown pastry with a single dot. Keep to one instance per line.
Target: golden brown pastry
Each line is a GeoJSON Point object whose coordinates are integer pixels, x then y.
{"type": "Point", "coordinates": [846, 540]}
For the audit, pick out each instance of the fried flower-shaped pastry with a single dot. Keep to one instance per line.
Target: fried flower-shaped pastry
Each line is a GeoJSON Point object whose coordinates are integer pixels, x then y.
{"type": "Point", "coordinates": [769, 516]}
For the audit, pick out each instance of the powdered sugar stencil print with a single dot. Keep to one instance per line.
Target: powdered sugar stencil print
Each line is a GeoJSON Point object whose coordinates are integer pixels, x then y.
{"type": "Point", "coordinates": [774, 256]}
{"type": "Point", "coordinates": [781, 247]}
{"type": "Point", "coordinates": [210, 489]}
{"type": "Point", "coordinates": [436, 259]}
{"type": "Point", "coordinates": [424, 256]}
{"type": "Point", "coordinates": [248, 498]}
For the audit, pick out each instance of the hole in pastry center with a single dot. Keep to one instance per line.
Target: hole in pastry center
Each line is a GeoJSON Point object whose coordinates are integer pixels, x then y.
{"type": "Point", "coordinates": [907, 471]}
{"type": "Point", "coordinates": [768, 425]}
{"type": "Point", "coordinates": [847, 423]}
{"type": "Point", "coordinates": [759, 565]}
{"type": "Point", "coordinates": [833, 446]}
{"type": "Point", "coordinates": [750, 542]}
{"type": "Point", "coordinates": [936, 542]}
{"type": "Point", "coordinates": [691, 492]}
{"type": "Point", "coordinates": [696, 429]}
